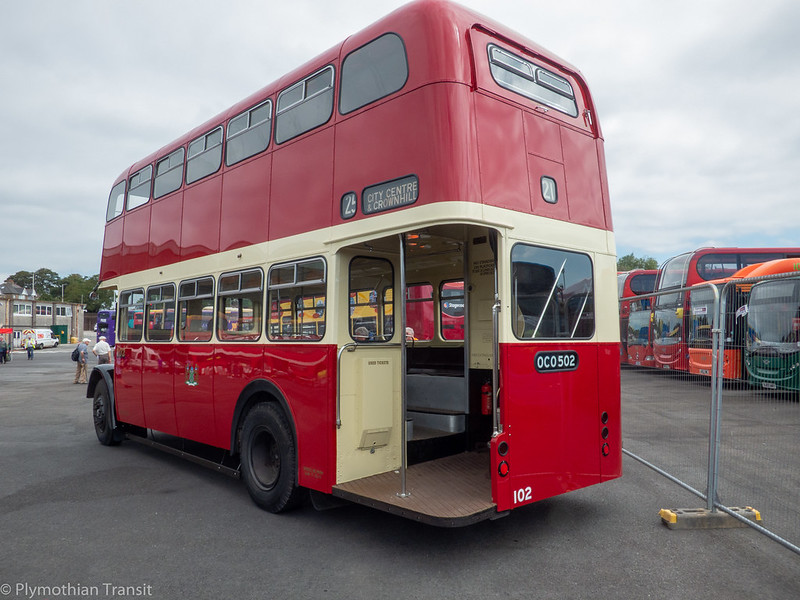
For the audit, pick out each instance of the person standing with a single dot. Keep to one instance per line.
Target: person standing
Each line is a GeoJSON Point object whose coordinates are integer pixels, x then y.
{"type": "Point", "coordinates": [83, 359]}
{"type": "Point", "coordinates": [2, 350]}
{"type": "Point", "coordinates": [102, 351]}
{"type": "Point", "coordinates": [29, 346]}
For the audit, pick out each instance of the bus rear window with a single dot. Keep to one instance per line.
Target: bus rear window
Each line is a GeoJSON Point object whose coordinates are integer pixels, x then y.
{"type": "Point", "coordinates": [553, 293]}
{"type": "Point", "coordinates": [532, 81]}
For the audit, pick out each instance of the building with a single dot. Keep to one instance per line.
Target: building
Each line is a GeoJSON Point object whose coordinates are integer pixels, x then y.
{"type": "Point", "coordinates": [21, 309]}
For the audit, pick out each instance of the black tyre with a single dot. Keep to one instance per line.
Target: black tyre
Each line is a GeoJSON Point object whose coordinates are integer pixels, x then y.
{"type": "Point", "coordinates": [101, 410]}
{"type": "Point", "coordinates": [269, 459]}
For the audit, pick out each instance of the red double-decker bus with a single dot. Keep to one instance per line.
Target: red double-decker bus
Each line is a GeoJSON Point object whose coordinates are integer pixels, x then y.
{"type": "Point", "coordinates": [634, 316]}
{"type": "Point", "coordinates": [671, 312]}
{"type": "Point", "coordinates": [435, 158]}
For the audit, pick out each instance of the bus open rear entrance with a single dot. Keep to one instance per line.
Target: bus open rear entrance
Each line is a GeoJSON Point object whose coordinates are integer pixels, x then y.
{"type": "Point", "coordinates": [448, 492]}
{"type": "Point", "coordinates": [413, 437]}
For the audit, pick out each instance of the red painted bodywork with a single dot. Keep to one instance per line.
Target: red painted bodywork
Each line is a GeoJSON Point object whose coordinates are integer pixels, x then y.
{"type": "Point", "coordinates": [553, 422]}
{"type": "Point", "coordinates": [466, 139]}
{"type": "Point", "coordinates": [304, 374]}
{"type": "Point", "coordinates": [447, 113]}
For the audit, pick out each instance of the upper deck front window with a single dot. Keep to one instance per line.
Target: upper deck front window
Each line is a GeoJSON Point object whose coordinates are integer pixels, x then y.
{"type": "Point", "coordinates": [673, 273]}
{"type": "Point", "coordinates": [532, 81]}
{"type": "Point", "coordinates": [115, 201]}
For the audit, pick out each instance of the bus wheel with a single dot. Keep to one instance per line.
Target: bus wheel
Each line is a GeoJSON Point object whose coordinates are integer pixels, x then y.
{"type": "Point", "coordinates": [269, 459]}
{"type": "Point", "coordinates": [101, 410]}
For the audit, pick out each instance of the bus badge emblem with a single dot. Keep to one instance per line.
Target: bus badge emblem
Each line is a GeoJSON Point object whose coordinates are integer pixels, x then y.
{"type": "Point", "coordinates": [191, 374]}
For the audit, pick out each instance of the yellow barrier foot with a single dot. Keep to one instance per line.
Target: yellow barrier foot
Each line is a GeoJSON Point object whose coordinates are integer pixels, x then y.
{"type": "Point", "coordinates": [700, 518]}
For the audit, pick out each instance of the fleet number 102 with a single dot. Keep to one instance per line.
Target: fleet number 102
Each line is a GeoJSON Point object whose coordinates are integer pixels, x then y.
{"type": "Point", "coordinates": [522, 495]}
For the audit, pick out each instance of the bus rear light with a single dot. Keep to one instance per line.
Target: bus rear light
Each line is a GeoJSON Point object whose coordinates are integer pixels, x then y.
{"type": "Point", "coordinates": [502, 448]}
{"type": "Point", "coordinates": [502, 468]}
{"type": "Point", "coordinates": [605, 450]}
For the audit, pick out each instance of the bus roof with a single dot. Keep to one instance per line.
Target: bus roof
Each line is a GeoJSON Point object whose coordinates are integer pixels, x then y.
{"type": "Point", "coordinates": [427, 19]}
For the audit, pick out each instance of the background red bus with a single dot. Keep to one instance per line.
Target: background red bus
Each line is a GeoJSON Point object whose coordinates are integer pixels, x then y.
{"type": "Point", "coordinates": [671, 312]}
{"type": "Point", "coordinates": [634, 316]}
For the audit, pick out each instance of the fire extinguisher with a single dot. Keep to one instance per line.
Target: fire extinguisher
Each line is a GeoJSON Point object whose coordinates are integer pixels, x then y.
{"type": "Point", "coordinates": [486, 398]}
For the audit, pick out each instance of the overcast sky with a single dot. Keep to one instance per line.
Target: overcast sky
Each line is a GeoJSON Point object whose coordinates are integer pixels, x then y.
{"type": "Point", "coordinates": [698, 103]}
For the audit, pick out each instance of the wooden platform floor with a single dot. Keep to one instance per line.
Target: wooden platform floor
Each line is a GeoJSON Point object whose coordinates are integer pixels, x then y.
{"type": "Point", "coordinates": [449, 492]}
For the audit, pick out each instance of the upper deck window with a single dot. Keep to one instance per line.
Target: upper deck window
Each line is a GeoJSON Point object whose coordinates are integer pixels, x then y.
{"type": "Point", "coordinates": [169, 173]}
{"type": "Point", "coordinates": [205, 155]}
{"type": "Point", "coordinates": [116, 201]}
{"type": "Point", "coordinates": [532, 81]}
{"type": "Point", "coordinates": [139, 189]}
{"type": "Point", "coordinates": [248, 133]}
{"type": "Point", "coordinates": [372, 72]}
{"type": "Point", "coordinates": [717, 266]}
{"type": "Point", "coordinates": [643, 283]}
{"type": "Point", "coordinates": [304, 106]}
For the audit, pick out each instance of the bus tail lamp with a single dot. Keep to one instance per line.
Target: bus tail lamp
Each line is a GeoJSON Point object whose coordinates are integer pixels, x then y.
{"type": "Point", "coordinates": [502, 468]}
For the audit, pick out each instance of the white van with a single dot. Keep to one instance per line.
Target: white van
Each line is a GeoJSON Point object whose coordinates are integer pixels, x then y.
{"type": "Point", "coordinates": [43, 338]}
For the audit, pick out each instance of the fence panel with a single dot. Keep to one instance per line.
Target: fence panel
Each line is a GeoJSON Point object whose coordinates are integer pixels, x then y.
{"type": "Point", "coordinates": [732, 352]}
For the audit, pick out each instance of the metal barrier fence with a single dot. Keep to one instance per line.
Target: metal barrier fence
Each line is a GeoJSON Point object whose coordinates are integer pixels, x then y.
{"type": "Point", "coordinates": [713, 402]}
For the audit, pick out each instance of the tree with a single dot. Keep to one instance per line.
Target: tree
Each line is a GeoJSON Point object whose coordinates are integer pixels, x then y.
{"type": "Point", "coordinates": [22, 278]}
{"type": "Point", "coordinates": [47, 284]}
{"type": "Point", "coordinates": [630, 262]}
{"type": "Point", "coordinates": [75, 288]}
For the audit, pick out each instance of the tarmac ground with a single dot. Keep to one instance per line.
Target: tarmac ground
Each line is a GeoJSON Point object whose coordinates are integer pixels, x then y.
{"type": "Point", "coordinates": [82, 520]}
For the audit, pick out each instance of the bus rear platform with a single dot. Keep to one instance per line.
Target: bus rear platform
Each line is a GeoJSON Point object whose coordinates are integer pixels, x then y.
{"type": "Point", "coordinates": [453, 491]}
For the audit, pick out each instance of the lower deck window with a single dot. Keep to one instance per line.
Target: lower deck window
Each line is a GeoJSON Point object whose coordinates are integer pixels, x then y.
{"type": "Point", "coordinates": [131, 315]}
{"type": "Point", "coordinates": [160, 315]}
{"type": "Point", "coordinates": [240, 305]}
{"type": "Point", "coordinates": [371, 300]}
{"type": "Point", "coordinates": [196, 310]}
{"type": "Point", "coordinates": [297, 298]}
